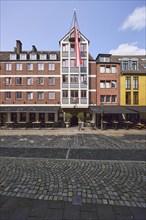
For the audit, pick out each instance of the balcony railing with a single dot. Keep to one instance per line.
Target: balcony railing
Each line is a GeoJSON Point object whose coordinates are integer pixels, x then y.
{"type": "Point", "coordinates": [74, 100]}
{"type": "Point", "coordinates": [65, 100]}
{"type": "Point", "coordinates": [74, 85]}
{"type": "Point", "coordinates": [74, 70]}
{"type": "Point", "coordinates": [83, 100]}
{"type": "Point", "coordinates": [65, 85]}
{"type": "Point", "coordinates": [65, 69]}
{"type": "Point", "coordinates": [83, 85]}
{"type": "Point", "coordinates": [65, 54]}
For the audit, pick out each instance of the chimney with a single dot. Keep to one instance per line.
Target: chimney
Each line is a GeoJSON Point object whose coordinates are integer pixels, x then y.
{"type": "Point", "coordinates": [18, 46]}
{"type": "Point", "coordinates": [34, 49]}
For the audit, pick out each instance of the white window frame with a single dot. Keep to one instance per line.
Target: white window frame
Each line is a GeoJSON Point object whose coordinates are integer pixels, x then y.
{"type": "Point", "coordinates": [8, 66]}
{"type": "Point", "coordinates": [40, 81]}
{"type": "Point", "coordinates": [23, 56]}
{"type": "Point", "coordinates": [30, 66]}
{"type": "Point", "coordinates": [108, 96]}
{"type": "Point", "coordinates": [18, 95]}
{"type": "Point", "coordinates": [18, 66]}
{"type": "Point", "coordinates": [8, 81]}
{"type": "Point", "coordinates": [43, 56]}
{"type": "Point", "coordinates": [102, 84]}
{"type": "Point", "coordinates": [114, 69]}
{"type": "Point", "coordinates": [102, 69]}
{"type": "Point", "coordinates": [29, 95]}
{"type": "Point", "coordinates": [29, 81]}
{"type": "Point", "coordinates": [51, 81]}
{"type": "Point", "coordinates": [51, 66]}
{"type": "Point", "coordinates": [8, 95]}
{"type": "Point", "coordinates": [53, 56]}
{"type": "Point", "coordinates": [33, 56]}
{"type": "Point", "coordinates": [13, 56]}
{"type": "Point", "coordinates": [40, 66]}
{"type": "Point", "coordinates": [17, 81]}
{"type": "Point", "coordinates": [40, 95]}
{"type": "Point", "coordinates": [113, 84]}
{"type": "Point", "coordinates": [113, 96]}
{"type": "Point", "coordinates": [51, 95]}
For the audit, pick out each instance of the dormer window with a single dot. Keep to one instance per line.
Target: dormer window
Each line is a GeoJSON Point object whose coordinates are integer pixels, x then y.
{"type": "Point", "coordinates": [13, 56]}
{"type": "Point", "coordinates": [33, 56]}
{"type": "Point", "coordinates": [22, 56]}
{"type": "Point", "coordinates": [104, 59]}
{"type": "Point", "coordinates": [134, 65]}
{"type": "Point", "coordinates": [125, 65]}
{"type": "Point", "coordinates": [43, 56]}
{"type": "Point", "coordinates": [53, 56]}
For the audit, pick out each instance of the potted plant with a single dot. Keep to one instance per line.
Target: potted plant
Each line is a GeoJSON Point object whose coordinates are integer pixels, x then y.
{"type": "Point", "coordinates": [68, 117]}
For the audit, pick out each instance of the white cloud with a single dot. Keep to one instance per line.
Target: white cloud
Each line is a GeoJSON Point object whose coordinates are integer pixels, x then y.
{"type": "Point", "coordinates": [128, 49]}
{"type": "Point", "coordinates": [136, 20]}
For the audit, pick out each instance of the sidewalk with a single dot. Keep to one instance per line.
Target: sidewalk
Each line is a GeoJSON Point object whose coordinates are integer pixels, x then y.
{"type": "Point", "coordinates": [29, 209]}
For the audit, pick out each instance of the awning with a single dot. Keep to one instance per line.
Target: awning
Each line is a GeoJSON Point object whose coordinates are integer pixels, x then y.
{"type": "Point", "coordinates": [29, 108]}
{"type": "Point", "coordinates": [140, 109]}
{"type": "Point", "coordinates": [112, 110]}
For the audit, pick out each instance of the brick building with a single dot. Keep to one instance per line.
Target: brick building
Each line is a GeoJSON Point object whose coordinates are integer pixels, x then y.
{"type": "Point", "coordinates": [45, 85]}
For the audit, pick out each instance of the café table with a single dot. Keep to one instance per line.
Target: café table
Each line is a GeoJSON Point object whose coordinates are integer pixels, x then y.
{"type": "Point", "coordinates": [127, 124]}
{"type": "Point", "coordinates": [115, 123]}
{"type": "Point", "coordinates": [21, 124]}
{"type": "Point", "coordinates": [9, 124]}
{"type": "Point", "coordinates": [104, 125]}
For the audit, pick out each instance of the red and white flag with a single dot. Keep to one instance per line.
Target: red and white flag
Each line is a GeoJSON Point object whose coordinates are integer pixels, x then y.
{"type": "Point", "coordinates": [78, 59]}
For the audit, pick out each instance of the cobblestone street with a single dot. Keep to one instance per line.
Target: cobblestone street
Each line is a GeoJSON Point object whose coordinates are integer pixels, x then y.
{"type": "Point", "coordinates": [99, 169]}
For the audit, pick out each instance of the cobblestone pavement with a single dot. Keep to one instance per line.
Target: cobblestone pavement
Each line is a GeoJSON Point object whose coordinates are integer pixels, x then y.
{"type": "Point", "coordinates": [113, 176]}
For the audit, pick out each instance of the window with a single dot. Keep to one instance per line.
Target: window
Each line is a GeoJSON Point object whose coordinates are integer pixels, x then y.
{"type": "Point", "coordinates": [30, 66]}
{"type": "Point", "coordinates": [114, 69]}
{"type": "Point", "coordinates": [107, 69]}
{"type": "Point", "coordinates": [51, 116]}
{"type": "Point", "coordinates": [83, 47]}
{"type": "Point", "coordinates": [102, 69]}
{"type": "Point", "coordinates": [134, 65]}
{"type": "Point", "coordinates": [113, 84]}
{"type": "Point", "coordinates": [8, 66]}
{"type": "Point", "coordinates": [51, 81]}
{"type": "Point", "coordinates": [135, 98]}
{"type": "Point", "coordinates": [40, 81]}
{"type": "Point", "coordinates": [40, 66]}
{"type": "Point", "coordinates": [65, 93]}
{"type": "Point", "coordinates": [18, 81]}
{"type": "Point", "coordinates": [40, 95]}
{"type": "Point", "coordinates": [128, 98]}
{"type": "Point", "coordinates": [108, 98]}
{"type": "Point", "coordinates": [128, 82]}
{"type": "Point", "coordinates": [14, 116]}
{"type": "Point", "coordinates": [124, 65]}
{"type": "Point", "coordinates": [108, 84]}
{"type": "Point", "coordinates": [65, 47]}
{"type": "Point", "coordinates": [7, 95]}
{"type": "Point", "coordinates": [13, 56]}
{"type": "Point", "coordinates": [43, 56]}
{"type": "Point", "coordinates": [51, 66]}
{"type": "Point", "coordinates": [33, 56]}
{"type": "Point", "coordinates": [83, 78]}
{"type": "Point", "coordinates": [74, 93]}
{"type": "Point", "coordinates": [113, 98]}
{"type": "Point", "coordinates": [29, 95]}
{"type": "Point", "coordinates": [83, 93]}
{"type": "Point", "coordinates": [84, 63]}
{"type": "Point", "coordinates": [51, 95]}
{"type": "Point", "coordinates": [18, 95]}
{"type": "Point", "coordinates": [65, 78]}
{"type": "Point", "coordinates": [102, 84]}
{"type": "Point", "coordinates": [72, 63]}
{"type": "Point", "coordinates": [53, 56]}
{"type": "Point", "coordinates": [8, 81]}
{"type": "Point", "coordinates": [104, 59]}
{"type": "Point", "coordinates": [102, 98]}
{"type": "Point", "coordinates": [135, 82]}
{"type": "Point", "coordinates": [22, 56]}
{"type": "Point", "coordinates": [74, 78]}
{"type": "Point", "coordinates": [72, 48]}
{"type": "Point", "coordinates": [22, 116]}
{"type": "Point", "coordinates": [18, 66]}
{"type": "Point", "coordinates": [29, 81]}
{"type": "Point", "coordinates": [64, 63]}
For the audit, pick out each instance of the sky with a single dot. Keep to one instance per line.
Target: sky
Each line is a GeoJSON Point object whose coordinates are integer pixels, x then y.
{"type": "Point", "coordinates": [117, 27]}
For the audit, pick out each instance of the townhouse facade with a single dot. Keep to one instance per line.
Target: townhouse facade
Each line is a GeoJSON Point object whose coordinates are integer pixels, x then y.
{"type": "Point", "coordinates": [45, 85]}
